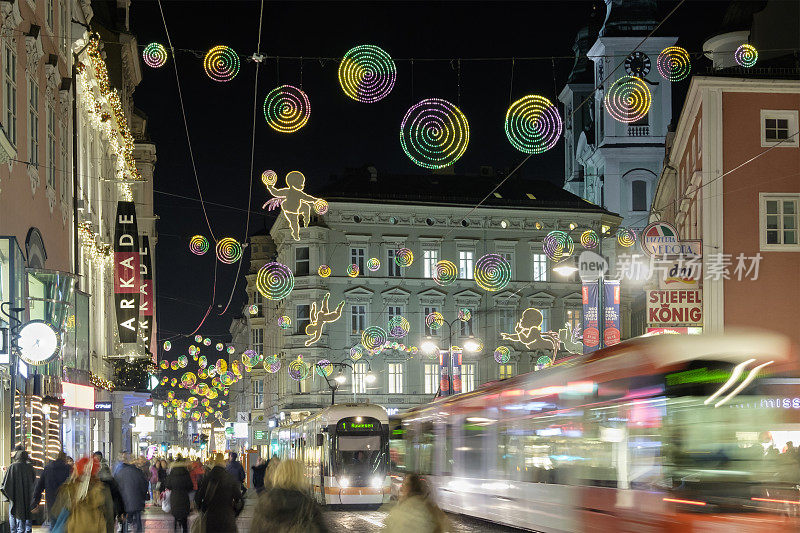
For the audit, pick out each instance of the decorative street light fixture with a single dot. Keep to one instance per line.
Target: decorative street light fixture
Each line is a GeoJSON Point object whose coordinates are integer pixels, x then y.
{"type": "Point", "coordinates": [471, 345]}
{"type": "Point", "coordinates": [340, 378]}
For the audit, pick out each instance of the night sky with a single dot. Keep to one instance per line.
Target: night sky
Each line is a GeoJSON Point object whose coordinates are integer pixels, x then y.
{"type": "Point", "coordinates": [341, 132]}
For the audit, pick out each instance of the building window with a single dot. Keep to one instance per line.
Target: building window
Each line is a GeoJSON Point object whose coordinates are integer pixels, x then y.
{"type": "Point", "coordinates": [428, 331]}
{"type": "Point", "coordinates": [465, 259]}
{"type": "Point", "coordinates": [573, 318]}
{"type": "Point", "coordinates": [51, 146]}
{"type": "Point", "coordinates": [431, 378]}
{"type": "Point", "coordinates": [393, 311]}
{"type": "Point", "coordinates": [539, 267]}
{"type": "Point", "coordinates": [506, 318]}
{"type": "Point", "coordinates": [468, 377]}
{"type": "Point", "coordinates": [302, 264]}
{"type": "Point", "coordinates": [430, 257]}
{"type": "Point", "coordinates": [395, 378]}
{"type": "Point", "coordinates": [639, 195]}
{"type": "Point", "coordinates": [779, 127]}
{"type": "Point", "coordinates": [50, 14]}
{"type": "Point", "coordinates": [508, 256]}
{"type": "Point", "coordinates": [257, 300]}
{"type": "Point", "coordinates": [358, 319]}
{"type": "Point", "coordinates": [257, 336]}
{"type": "Point", "coordinates": [779, 221]}
{"type": "Point", "coordinates": [33, 122]}
{"type": "Point", "coordinates": [467, 327]}
{"type": "Point", "coordinates": [505, 371]}
{"type": "Point", "coordinates": [360, 377]}
{"type": "Point", "coordinates": [303, 318]}
{"type": "Point", "coordinates": [357, 258]}
{"type": "Point", "coordinates": [393, 269]}
{"type": "Point", "coordinates": [64, 161]}
{"type": "Point", "coordinates": [11, 95]}
{"type": "Point", "coordinates": [65, 27]}
{"type": "Point", "coordinates": [545, 319]}
{"type": "Point", "coordinates": [258, 393]}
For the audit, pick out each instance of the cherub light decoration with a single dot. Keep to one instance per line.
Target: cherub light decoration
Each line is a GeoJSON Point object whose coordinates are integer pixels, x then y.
{"type": "Point", "coordinates": [292, 200]}
{"type": "Point", "coordinates": [571, 340]}
{"type": "Point", "coordinates": [320, 318]}
{"type": "Point", "coordinates": [528, 332]}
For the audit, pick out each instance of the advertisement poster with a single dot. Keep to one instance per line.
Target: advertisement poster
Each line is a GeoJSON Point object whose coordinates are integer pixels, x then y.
{"type": "Point", "coordinates": [126, 272]}
{"type": "Point", "coordinates": [591, 326]}
{"type": "Point", "coordinates": [674, 308]}
{"type": "Point", "coordinates": [456, 369]}
{"type": "Point", "coordinates": [611, 299]}
{"type": "Point", "coordinates": [444, 374]}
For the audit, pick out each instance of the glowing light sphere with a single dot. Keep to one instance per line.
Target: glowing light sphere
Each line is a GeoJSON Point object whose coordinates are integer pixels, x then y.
{"type": "Point", "coordinates": [173, 381]}
{"type": "Point", "coordinates": [323, 368]}
{"type": "Point", "coordinates": [274, 281]}
{"type": "Point", "coordinates": [183, 361]}
{"type": "Point", "coordinates": [202, 361]}
{"type": "Point", "coordinates": [373, 337]}
{"type": "Point", "coordinates": [229, 250]}
{"type": "Point", "coordinates": [222, 366]}
{"type": "Point", "coordinates": [207, 341]}
{"type": "Point", "coordinates": [154, 55]}
{"type": "Point", "coordinates": [352, 271]}
{"type": "Point", "coordinates": [272, 367]}
{"type": "Point", "coordinates": [286, 109]}
{"type": "Point", "coordinates": [356, 352]}
{"type": "Point", "coordinates": [253, 309]}
{"type": "Point", "coordinates": [298, 369]}
{"type": "Point", "coordinates": [533, 124]}
{"type": "Point", "coordinates": [174, 365]}
{"type": "Point", "coordinates": [167, 346]}
{"type": "Point", "coordinates": [492, 272]}
{"type": "Point", "coordinates": [171, 395]}
{"type": "Point", "coordinates": [320, 206]}
{"type": "Point", "coordinates": [403, 257]}
{"type": "Point", "coordinates": [398, 326]}
{"type": "Point", "coordinates": [626, 237]}
{"type": "Point", "coordinates": [628, 99]}
{"type": "Point", "coordinates": [543, 362]}
{"type": "Point", "coordinates": [464, 314]}
{"type": "Point", "coordinates": [236, 368]}
{"type": "Point", "coordinates": [445, 272]}
{"type": "Point", "coordinates": [502, 354]}
{"type": "Point", "coordinates": [226, 379]}
{"type": "Point", "coordinates": [324, 271]}
{"type": "Point", "coordinates": [219, 346]}
{"type": "Point", "coordinates": [257, 358]}
{"type": "Point", "coordinates": [221, 63]}
{"type": "Point", "coordinates": [164, 364]}
{"type": "Point", "coordinates": [269, 177]}
{"type": "Point", "coordinates": [164, 380]}
{"type": "Point", "coordinates": [746, 55]}
{"type": "Point", "coordinates": [367, 73]}
{"type": "Point", "coordinates": [589, 239]}
{"type": "Point", "coordinates": [196, 416]}
{"type": "Point", "coordinates": [373, 264]}
{"type": "Point", "coordinates": [198, 338]}
{"type": "Point", "coordinates": [558, 245]}
{"type": "Point", "coordinates": [212, 371]}
{"type": "Point", "coordinates": [434, 320]}
{"type": "Point", "coordinates": [188, 380]}
{"type": "Point", "coordinates": [198, 245]}
{"type": "Point", "coordinates": [674, 63]}
{"type": "Point", "coordinates": [434, 133]}
{"type": "Point", "coordinates": [284, 322]}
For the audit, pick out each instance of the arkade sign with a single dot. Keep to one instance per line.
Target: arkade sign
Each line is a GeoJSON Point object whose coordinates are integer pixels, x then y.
{"type": "Point", "coordinates": [674, 308]}
{"type": "Point", "coordinates": [146, 291]}
{"type": "Point", "coordinates": [126, 271]}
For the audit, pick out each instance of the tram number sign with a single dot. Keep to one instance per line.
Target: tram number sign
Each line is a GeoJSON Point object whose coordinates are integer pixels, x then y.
{"type": "Point", "coordinates": [352, 424]}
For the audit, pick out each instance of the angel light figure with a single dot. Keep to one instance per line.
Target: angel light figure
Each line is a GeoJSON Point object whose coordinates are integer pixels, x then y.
{"type": "Point", "coordinates": [320, 318]}
{"type": "Point", "coordinates": [528, 332]}
{"type": "Point", "coordinates": [292, 200]}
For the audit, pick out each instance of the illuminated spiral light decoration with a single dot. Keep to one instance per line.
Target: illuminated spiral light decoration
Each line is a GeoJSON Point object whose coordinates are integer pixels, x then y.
{"type": "Point", "coordinates": [434, 133]}
{"type": "Point", "coordinates": [543, 362]}
{"type": "Point", "coordinates": [502, 354]}
{"type": "Point", "coordinates": [324, 271]}
{"type": "Point", "coordinates": [464, 314]}
{"type": "Point", "coordinates": [164, 364]}
{"type": "Point", "coordinates": [320, 206]}
{"type": "Point", "coordinates": [398, 326]}
{"type": "Point", "coordinates": [445, 272]}
{"type": "Point", "coordinates": [207, 341]}
{"type": "Point", "coordinates": [183, 361]}
{"type": "Point", "coordinates": [174, 365]}
{"type": "Point", "coordinates": [492, 272]}
{"type": "Point", "coordinates": [167, 346]}
{"type": "Point", "coordinates": [286, 109]}
{"type": "Point", "coordinates": [274, 281]}
{"type": "Point", "coordinates": [202, 361]}
{"type": "Point", "coordinates": [221, 63]}
{"type": "Point", "coordinates": [222, 366]}
{"type": "Point", "coordinates": [253, 309]}
{"type": "Point", "coordinates": [373, 264]}
{"type": "Point", "coordinates": [227, 378]}
{"type": "Point", "coordinates": [198, 245]}
{"type": "Point", "coordinates": [323, 368]}
{"type": "Point", "coordinates": [557, 245]}
{"type": "Point", "coordinates": [434, 320]}
{"type": "Point", "coordinates": [589, 239]}
{"type": "Point", "coordinates": [356, 352]}
{"type": "Point", "coordinates": [188, 380]}
{"type": "Point", "coordinates": [236, 368]}
{"type": "Point", "coordinates": [674, 63]}
{"type": "Point", "coordinates": [367, 73]}
{"type": "Point", "coordinates": [154, 55]}
{"type": "Point", "coordinates": [229, 250]}
{"type": "Point", "coordinates": [269, 177]}
{"type": "Point", "coordinates": [628, 99]}
{"type": "Point", "coordinates": [173, 382]}
{"type": "Point", "coordinates": [746, 55]}
{"type": "Point", "coordinates": [231, 350]}
{"type": "Point", "coordinates": [533, 124]}
{"type": "Point", "coordinates": [220, 347]}
{"type": "Point", "coordinates": [298, 370]}
{"type": "Point", "coordinates": [626, 237]}
{"type": "Point", "coordinates": [352, 271]}
{"type": "Point", "coordinates": [284, 322]}
{"type": "Point", "coordinates": [198, 338]}
{"type": "Point", "coordinates": [373, 337]}
{"type": "Point", "coordinates": [403, 257]}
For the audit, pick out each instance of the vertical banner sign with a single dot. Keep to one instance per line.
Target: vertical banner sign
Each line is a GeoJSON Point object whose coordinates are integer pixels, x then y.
{"type": "Point", "coordinates": [591, 326]}
{"type": "Point", "coordinates": [146, 292]}
{"type": "Point", "coordinates": [456, 369]}
{"type": "Point", "coordinates": [611, 298]}
{"type": "Point", "coordinates": [126, 272]}
{"type": "Point", "coordinates": [444, 374]}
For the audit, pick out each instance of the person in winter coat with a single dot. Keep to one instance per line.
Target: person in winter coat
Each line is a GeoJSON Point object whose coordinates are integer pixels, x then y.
{"type": "Point", "coordinates": [55, 474]}
{"type": "Point", "coordinates": [235, 468]}
{"type": "Point", "coordinates": [259, 470]}
{"type": "Point", "coordinates": [179, 483]}
{"type": "Point", "coordinates": [87, 500]}
{"type": "Point", "coordinates": [218, 496]}
{"type": "Point", "coordinates": [133, 486]}
{"type": "Point", "coordinates": [154, 481]}
{"type": "Point", "coordinates": [415, 510]}
{"type": "Point", "coordinates": [18, 488]}
{"type": "Point", "coordinates": [272, 464]}
{"type": "Point", "coordinates": [288, 506]}
{"type": "Point", "coordinates": [116, 496]}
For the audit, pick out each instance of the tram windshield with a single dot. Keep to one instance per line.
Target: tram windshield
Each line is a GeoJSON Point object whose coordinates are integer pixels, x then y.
{"type": "Point", "coordinates": [360, 448]}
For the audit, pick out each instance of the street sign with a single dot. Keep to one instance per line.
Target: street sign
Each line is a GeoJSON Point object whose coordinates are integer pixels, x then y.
{"type": "Point", "coordinates": [243, 417]}
{"type": "Point", "coordinates": [229, 430]}
{"type": "Point", "coordinates": [674, 308]}
{"type": "Point", "coordinates": [102, 406]}
{"type": "Point", "coordinates": [195, 438]}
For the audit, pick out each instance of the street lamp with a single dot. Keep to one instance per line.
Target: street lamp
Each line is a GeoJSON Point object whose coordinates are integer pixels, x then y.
{"type": "Point", "coordinates": [340, 378]}
{"type": "Point", "coordinates": [472, 345]}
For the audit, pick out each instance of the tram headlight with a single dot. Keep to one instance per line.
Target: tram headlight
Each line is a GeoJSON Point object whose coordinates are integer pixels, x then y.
{"type": "Point", "coordinates": [344, 482]}
{"type": "Point", "coordinates": [377, 482]}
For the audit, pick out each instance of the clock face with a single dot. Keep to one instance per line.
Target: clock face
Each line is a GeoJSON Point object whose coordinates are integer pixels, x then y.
{"type": "Point", "coordinates": [38, 343]}
{"type": "Point", "coordinates": [637, 64]}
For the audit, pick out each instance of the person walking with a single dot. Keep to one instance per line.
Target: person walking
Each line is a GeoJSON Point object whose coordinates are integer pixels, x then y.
{"type": "Point", "coordinates": [133, 486]}
{"type": "Point", "coordinates": [162, 477]}
{"type": "Point", "coordinates": [54, 474]}
{"type": "Point", "coordinates": [235, 469]}
{"type": "Point", "coordinates": [219, 499]}
{"type": "Point", "coordinates": [288, 506]}
{"type": "Point", "coordinates": [18, 488]}
{"type": "Point", "coordinates": [415, 510]}
{"type": "Point", "coordinates": [259, 471]}
{"type": "Point", "coordinates": [153, 478]}
{"type": "Point", "coordinates": [116, 496]}
{"type": "Point", "coordinates": [196, 472]}
{"type": "Point", "coordinates": [179, 483]}
{"type": "Point", "coordinates": [86, 499]}
{"type": "Point", "coordinates": [272, 464]}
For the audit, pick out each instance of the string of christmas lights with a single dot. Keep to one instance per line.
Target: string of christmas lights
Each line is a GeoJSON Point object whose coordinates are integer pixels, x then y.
{"type": "Point", "coordinates": [287, 109]}
{"type": "Point", "coordinates": [221, 63]}
{"type": "Point", "coordinates": [746, 56]}
{"type": "Point", "coordinates": [434, 133]}
{"type": "Point", "coordinates": [274, 281]}
{"type": "Point", "coordinates": [154, 55]}
{"type": "Point", "coordinates": [628, 99]}
{"type": "Point", "coordinates": [533, 124]}
{"type": "Point", "coordinates": [445, 272]}
{"type": "Point", "coordinates": [674, 63]}
{"type": "Point", "coordinates": [492, 272]}
{"type": "Point", "coordinates": [367, 73]}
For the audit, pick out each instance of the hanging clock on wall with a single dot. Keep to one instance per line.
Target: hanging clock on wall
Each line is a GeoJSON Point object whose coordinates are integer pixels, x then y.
{"type": "Point", "coordinates": [637, 64]}
{"type": "Point", "coordinates": [39, 343]}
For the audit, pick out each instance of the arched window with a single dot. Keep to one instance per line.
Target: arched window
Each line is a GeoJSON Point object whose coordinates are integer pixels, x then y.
{"type": "Point", "coordinates": [639, 195]}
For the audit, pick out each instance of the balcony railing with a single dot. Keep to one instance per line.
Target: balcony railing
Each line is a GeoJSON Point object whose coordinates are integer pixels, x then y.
{"type": "Point", "coordinates": [638, 131]}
